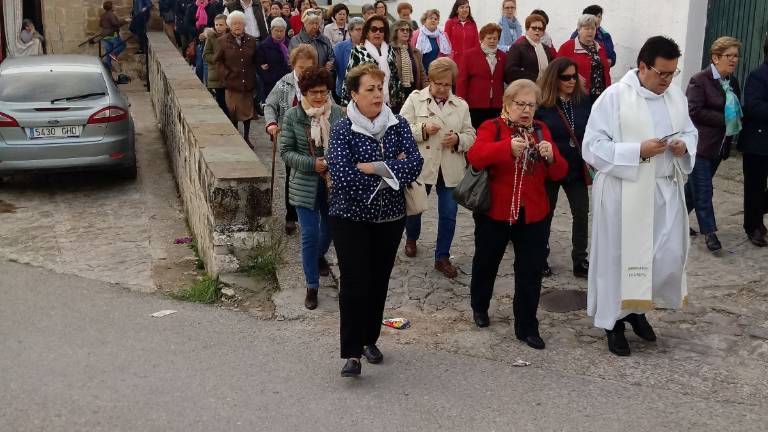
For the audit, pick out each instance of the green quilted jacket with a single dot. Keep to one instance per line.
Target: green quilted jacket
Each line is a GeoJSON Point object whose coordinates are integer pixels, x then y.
{"type": "Point", "coordinates": [294, 150]}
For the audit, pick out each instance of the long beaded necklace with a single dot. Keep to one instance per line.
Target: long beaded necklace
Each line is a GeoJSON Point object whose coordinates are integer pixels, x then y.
{"type": "Point", "coordinates": [570, 116]}
{"type": "Point", "coordinates": [523, 163]}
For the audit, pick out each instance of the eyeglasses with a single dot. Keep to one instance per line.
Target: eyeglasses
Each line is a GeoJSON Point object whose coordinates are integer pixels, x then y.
{"type": "Point", "coordinates": [376, 29]}
{"type": "Point", "coordinates": [571, 77]}
{"type": "Point", "coordinates": [665, 75]}
{"type": "Point", "coordinates": [404, 29]}
{"type": "Point", "coordinates": [314, 12]}
{"type": "Point", "coordinates": [730, 56]}
{"type": "Point", "coordinates": [317, 93]}
{"type": "Point", "coordinates": [536, 28]}
{"type": "Point", "coordinates": [445, 85]}
{"type": "Point", "coordinates": [523, 105]}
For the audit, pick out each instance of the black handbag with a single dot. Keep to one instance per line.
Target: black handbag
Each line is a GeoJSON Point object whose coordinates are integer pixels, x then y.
{"type": "Point", "coordinates": [472, 191]}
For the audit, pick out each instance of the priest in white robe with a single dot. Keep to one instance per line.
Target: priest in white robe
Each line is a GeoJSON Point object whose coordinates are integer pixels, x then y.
{"type": "Point", "coordinates": [641, 141]}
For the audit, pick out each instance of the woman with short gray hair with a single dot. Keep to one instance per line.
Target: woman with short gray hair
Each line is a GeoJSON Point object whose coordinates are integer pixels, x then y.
{"type": "Point", "coordinates": [311, 35]}
{"type": "Point", "coordinates": [590, 56]}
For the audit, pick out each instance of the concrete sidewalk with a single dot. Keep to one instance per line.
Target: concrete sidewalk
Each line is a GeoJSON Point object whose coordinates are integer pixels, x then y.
{"type": "Point", "coordinates": [82, 355]}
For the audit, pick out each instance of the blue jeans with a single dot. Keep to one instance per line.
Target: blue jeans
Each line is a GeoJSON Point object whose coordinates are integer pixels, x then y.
{"type": "Point", "coordinates": [698, 193]}
{"type": "Point", "coordinates": [315, 236]}
{"type": "Point", "coordinates": [446, 220]}
{"type": "Point", "coordinates": [112, 46]}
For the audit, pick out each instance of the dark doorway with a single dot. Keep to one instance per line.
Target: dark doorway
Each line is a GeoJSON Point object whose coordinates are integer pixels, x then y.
{"type": "Point", "coordinates": [33, 10]}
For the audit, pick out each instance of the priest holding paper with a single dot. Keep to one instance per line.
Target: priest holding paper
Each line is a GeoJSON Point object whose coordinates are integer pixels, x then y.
{"type": "Point", "coordinates": [642, 142]}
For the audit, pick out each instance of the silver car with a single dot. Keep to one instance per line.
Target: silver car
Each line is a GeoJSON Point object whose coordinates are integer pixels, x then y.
{"type": "Point", "coordinates": [63, 112]}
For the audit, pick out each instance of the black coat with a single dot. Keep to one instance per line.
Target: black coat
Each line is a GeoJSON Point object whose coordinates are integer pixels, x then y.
{"type": "Point", "coordinates": [754, 136]}
{"type": "Point", "coordinates": [562, 138]}
{"type": "Point", "coordinates": [269, 53]}
{"type": "Point", "coordinates": [706, 106]}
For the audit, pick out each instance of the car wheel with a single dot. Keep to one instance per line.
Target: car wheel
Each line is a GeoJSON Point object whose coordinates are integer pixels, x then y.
{"type": "Point", "coordinates": [128, 173]}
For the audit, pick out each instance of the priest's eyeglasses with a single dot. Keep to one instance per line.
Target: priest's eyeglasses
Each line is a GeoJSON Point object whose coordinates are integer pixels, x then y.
{"type": "Point", "coordinates": [665, 75]}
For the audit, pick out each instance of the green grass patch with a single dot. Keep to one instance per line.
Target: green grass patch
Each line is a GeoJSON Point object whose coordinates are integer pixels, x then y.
{"type": "Point", "coordinates": [206, 290]}
{"type": "Point", "coordinates": [264, 258]}
{"type": "Point", "coordinates": [199, 263]}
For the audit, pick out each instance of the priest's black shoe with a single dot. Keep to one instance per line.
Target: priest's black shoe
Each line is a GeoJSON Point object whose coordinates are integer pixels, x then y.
{"type": "Point", "coordinates": [617, 342]}
{"type": "Point", "coordinates": [581, 270]}
{"type": "Point", "coordinates": [713, 243]}
{"type": "Point", "coordinates": [546, 271]}
{"type": "Point", "coordinates": [535, 342]}
{"type": "Point", "coordinates": [481, 319]}
{"type": "Point", "coordinates": [641, 327]}
{"type": "Point", "coordinates": [758, 238]}
{"type": "Point", "coordinates": [373, 354]}
{"type": "Point", "coordinates": [351, 368]}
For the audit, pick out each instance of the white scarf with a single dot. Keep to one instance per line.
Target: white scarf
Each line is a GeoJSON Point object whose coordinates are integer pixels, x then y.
{"type": "Point", "coordinates": [637, 198]}
{"type": "Point", "coordinates": [375, 128]}
{"type": "Point", "coordinates": [423, 45]}
{"type": "Point", "coordinates": [320, 126]}
{"type": "Point", "coordinates": [490, 56]}
{"type": "Point", "coordinates": [383, 62]}
{"type": "Point", "coordinates": [541, 55]}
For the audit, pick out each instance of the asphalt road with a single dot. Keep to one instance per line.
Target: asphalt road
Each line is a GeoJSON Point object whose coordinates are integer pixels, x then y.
{"type": "Point", "coordinates": [83, 355]}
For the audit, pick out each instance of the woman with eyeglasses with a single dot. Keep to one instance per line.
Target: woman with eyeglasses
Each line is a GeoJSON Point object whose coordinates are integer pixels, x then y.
{"type": "Point", "coordinates": [375, 50]}
{"type": "Point", "coordinates": [528, 57]}
{"type": "Point", "coordinates": [713, 103]}
{"type": "Point", "coordinates": [518, 152]}
{"type": "Point", "coordinates": [565, 110]}
{"type": "Point", "coordinates": [511, 30]}
{"type": "Point", "coordinates": [481, 77]}
{"type": "Point", "coordinates": [410, 69]}
{"type": "Point", "coordinates": [591, 57]}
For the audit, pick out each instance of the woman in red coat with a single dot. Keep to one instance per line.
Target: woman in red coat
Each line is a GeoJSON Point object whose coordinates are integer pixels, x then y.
{"type": "Point", "coordinates": [295, 22]}
{"type": "Point", "coordinates": [481, 77]}
{"type": "Point", "coordinates": [519, 155]}
{"type": "Point", "coordinates": [461, 30]}
{"type": "Point", "coordinates": [590, 57]}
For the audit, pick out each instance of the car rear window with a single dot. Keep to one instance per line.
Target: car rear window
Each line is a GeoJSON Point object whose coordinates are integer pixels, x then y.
{"type": "Point", "coordinates": [48, 85]}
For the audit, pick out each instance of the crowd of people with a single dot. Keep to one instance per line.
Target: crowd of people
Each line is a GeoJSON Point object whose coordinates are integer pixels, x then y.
{"type": "Point", "coordinates": [371, 116]}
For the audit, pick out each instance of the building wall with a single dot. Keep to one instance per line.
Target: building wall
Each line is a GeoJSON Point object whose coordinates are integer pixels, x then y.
{"type": "Point", "coordinates": [70, 22]}
{"type": "Point", "coordinates": [630, 23]}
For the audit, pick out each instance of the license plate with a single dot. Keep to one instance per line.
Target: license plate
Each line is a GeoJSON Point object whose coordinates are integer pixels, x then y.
{"type": "Point", "coordinates": [54, 132]}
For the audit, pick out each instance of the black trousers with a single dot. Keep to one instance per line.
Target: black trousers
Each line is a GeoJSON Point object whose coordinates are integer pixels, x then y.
{"type": "Point", "coordinates": [578, 199]}
{"type": "Point", "coordinates": [290, 211]}
{"type": "Point", "coordinates": [529, 242]}
{"type": "Point", "coordinates": [479, 115]}
{"type": "Point", "coordinates": [219, 94]}
{"type": "Point", "coordinates": [366, 253]}
{"type": "Point", "coordinates": [755, 191]}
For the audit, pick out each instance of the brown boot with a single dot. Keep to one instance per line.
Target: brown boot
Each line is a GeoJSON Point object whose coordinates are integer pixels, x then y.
{"type": "Point", "coordinates": [445, 267]}
{"type": "Point", "coordinates": [310, 301]}
{"type": "Point", "coordinates": [410, 248]}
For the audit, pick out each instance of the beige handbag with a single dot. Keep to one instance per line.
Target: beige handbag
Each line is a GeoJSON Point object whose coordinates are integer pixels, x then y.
{"type": "Point", "coordinates": [415, 199]}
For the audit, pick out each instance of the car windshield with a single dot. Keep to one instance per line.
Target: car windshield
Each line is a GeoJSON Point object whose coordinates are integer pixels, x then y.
{"type": "Point", "coordinates": [49, 85]}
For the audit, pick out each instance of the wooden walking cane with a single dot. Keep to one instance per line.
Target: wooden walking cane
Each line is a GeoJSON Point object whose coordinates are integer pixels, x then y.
{"type": "Point", "coordinates": [272, 181]}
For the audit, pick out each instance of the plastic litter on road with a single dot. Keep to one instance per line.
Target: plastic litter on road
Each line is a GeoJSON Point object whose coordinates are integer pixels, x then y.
{"type": "Point", "coordinates": [396, 323]}
{"type": "Point", "coordinates": [163, 313]}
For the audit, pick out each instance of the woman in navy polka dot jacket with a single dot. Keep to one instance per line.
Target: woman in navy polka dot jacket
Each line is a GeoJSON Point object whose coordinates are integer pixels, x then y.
{"type": "Point", "coordinates": [372, 157]}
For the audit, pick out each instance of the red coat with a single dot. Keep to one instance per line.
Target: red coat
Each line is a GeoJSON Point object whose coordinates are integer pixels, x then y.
{"type": "Point", "coordinates": [475, 83]}
{"type": "Point", "coordinates": [486, 152]}
{"type": "Point", "coordinates": [584, 62]}
{"type": "Point", "coordinates": [296, 24]}
{"type": "Point", "coordinates": [463, 37]}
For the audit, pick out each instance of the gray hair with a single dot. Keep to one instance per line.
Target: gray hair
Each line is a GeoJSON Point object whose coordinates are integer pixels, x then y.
{"type": "Point", "coordinates": [233, 16]}
{"type": "Point", "coordinates": [278, 22]}
{"type": "Point", "coordinates": [367, 7]}
{"type": "Point", "coordinates": [311, 15]}
{"type": "Point", "coordinates": [354, 22]}
{"type": "Point", "coordinates": [587, 21]}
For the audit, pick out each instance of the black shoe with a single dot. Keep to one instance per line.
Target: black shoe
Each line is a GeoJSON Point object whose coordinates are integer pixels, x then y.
{"type": "Point", "coordinates": [617, 342]}
{"type": "Point", "coordinates": [758, 238]}
{"type": "Point", "coordinates": [581, 270]}
{"type": "Point", "coordinates": [641, 327]}
{"type": "Point", "coordinates": [713, 243]}
{"type": "Point", "coordinates": [324, 267]}
{"type": "Point", "coordinates": [481, 319]}
{"type": "Point", "coordinates": [351, 369]}
{"type": "Point", "coordinates": [535, 342]}
{"type": "Point", "coordinates": [546, 271]}
{"type": "Point", "coordinates": [310, 301]}
{"type": "Point", "coordinates": [692, 232]}
{"type": "Point", "coordinates": [372, 354]}
{"type": "Point", "coordinates": [290, 227]}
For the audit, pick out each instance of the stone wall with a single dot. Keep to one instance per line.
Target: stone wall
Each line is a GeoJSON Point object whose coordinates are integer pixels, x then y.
{"type": "Point", "coordinates": [224, 186]}
{"type": "Point", "coordinates": [68, 23]}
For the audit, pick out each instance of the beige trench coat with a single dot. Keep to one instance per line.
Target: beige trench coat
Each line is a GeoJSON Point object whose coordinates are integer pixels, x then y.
{"type": "Point", "coordinates": [419, 109]}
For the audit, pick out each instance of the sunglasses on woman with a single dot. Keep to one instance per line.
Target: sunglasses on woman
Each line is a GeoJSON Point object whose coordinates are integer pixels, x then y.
{"type": "Point", "coordinates": [376, 29]}
{"type": "Point", "coordinates": [568, 77]}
